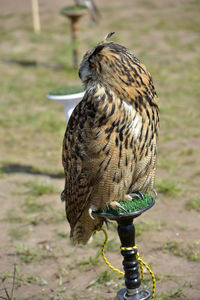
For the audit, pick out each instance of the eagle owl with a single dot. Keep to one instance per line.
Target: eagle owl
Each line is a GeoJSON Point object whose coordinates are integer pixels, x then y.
{"type": "Point", "coordinates": [109, 147]}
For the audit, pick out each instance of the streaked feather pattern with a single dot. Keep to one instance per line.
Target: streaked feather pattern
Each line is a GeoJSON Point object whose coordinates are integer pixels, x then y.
{"type": "Point", "coordinates": [110, 144]}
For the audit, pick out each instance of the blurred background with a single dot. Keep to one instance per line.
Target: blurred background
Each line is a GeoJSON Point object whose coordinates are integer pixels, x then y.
{"type": "Point", "coordinates": [37, 260]}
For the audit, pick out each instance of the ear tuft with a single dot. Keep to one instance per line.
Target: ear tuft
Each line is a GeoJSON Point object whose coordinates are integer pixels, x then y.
{"type": "Point", "coordinates": [107, 37]}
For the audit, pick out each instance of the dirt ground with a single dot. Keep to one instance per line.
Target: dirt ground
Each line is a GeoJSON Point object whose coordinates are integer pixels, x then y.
{"type": "Point", "coordinates": [37, 259]}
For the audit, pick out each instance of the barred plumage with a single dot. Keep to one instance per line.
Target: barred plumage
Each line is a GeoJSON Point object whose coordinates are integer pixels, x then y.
{"type": "Point", "coordinates": [109, 148]}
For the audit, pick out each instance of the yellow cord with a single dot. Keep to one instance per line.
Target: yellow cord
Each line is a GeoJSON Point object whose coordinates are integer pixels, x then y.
{"type": "Point", "coordinates": [141, 262]}
{"type": "Point", "coordinates": [103, 254]}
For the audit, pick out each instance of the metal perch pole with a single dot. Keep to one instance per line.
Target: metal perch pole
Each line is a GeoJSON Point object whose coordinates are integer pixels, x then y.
{"type": "Point", "coordinates": [74, 35]}
{"type": "Point", "coordinates": [74, 14]}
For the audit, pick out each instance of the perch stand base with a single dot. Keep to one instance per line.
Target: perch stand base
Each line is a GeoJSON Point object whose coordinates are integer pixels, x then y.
{"type": "Point", "coordinates": [139, 294]}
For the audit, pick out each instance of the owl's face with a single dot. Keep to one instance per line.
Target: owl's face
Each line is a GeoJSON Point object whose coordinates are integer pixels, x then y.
{"type": "Point", "coordinates": [88, 68]}
{"type": "Point", "coordinates": [107, 64]}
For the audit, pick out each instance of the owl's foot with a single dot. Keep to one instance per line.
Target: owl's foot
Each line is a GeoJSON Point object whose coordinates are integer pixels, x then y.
{"type": "Point", "coordinates": [138, 195]}
{"type": "Point", "coordinates": [127, 198]}
{"type": "Point", "coordinates": [116, 205]}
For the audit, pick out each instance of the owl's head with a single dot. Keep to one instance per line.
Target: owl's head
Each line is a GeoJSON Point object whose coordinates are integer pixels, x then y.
{"type": "Point", "coordinates": [108, 64]}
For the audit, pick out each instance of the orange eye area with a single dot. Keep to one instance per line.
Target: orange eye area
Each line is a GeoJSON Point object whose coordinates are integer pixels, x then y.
{"type": "Point", "coordinates": [92, 65]}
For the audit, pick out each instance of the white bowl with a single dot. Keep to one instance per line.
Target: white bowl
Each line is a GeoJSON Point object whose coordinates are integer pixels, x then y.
{"type": "Point", "coordinates": [69, 101]}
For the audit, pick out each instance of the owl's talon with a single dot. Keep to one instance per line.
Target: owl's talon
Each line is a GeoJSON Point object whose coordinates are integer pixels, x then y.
{"type": "Point", "coordinates": [121, 207]}
{"type": "Point", "coordinates": [138, 195]}
{"type": "Point", "coordinates": [155, 193]}
{"type": "Point", "coordinates": [134, 195]}
{"type": "Point", "coordinates": [90, 213]}
{"type": "Point", "coordinates": [141, 195]}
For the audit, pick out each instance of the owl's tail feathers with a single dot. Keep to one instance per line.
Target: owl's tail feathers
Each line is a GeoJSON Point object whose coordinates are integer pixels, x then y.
{"type": "Point", "coordinates": [84, 228]}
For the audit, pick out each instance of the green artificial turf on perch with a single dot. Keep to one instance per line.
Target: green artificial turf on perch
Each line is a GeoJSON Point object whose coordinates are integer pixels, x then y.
{"type": "Point", "coordinates": [73, 9]}
{"type": "Point", "coordinates": [135, 204]}
{"type": "Point", "coordinates": [67, 90]}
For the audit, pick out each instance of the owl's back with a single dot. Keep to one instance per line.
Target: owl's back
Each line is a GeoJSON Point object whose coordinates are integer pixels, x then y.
{"type": "Point", "coordinates": [109, 148]}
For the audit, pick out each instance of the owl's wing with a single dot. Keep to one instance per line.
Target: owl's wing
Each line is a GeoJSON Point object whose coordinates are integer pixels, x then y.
{"type": "Point", "coordinates": [78, 153]}
{"type": "Point", "coordinates": [76, 191]}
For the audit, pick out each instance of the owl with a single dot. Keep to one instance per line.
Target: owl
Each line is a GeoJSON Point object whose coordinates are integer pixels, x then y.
{"type": "Point", "coordinates": [110, 144]}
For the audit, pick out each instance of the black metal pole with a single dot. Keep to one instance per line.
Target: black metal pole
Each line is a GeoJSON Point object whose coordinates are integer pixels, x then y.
{"type": "Point", "coordinates": [126, 232]}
